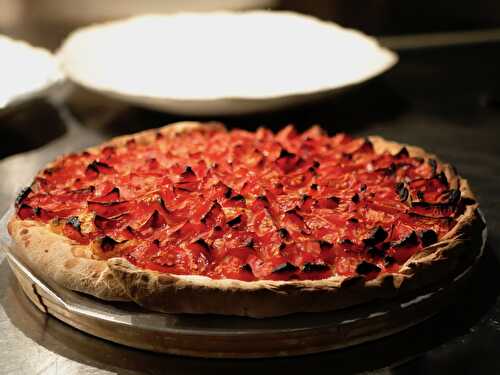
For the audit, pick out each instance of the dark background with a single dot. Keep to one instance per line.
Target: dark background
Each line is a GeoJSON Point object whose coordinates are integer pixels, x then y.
{"type": "Point", "coordinates": [34, 21]}
{"type": "Point", "coordinates": [393, 17]}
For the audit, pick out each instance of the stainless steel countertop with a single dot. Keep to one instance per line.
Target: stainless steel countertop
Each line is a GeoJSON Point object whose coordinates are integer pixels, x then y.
{"type": "Point", "coordinates": [444, 100]}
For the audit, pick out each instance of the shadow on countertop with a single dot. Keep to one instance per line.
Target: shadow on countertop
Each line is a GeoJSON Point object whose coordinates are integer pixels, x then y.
{"type": "Point", "coordinates": [369, 103]}
{"type": "Point", "coordinates": [29, 126]}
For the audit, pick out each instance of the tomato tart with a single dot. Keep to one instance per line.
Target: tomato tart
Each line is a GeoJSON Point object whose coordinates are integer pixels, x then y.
{"type": "Point", "coordinates": [193, 218]}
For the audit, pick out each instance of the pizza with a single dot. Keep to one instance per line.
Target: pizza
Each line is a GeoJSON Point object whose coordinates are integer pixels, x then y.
{"type": "Point", "coordinates": [193, 218]}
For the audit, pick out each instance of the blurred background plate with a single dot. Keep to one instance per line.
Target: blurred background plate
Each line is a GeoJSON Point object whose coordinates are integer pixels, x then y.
{"type": "Point", "coordinates": [221, 63]}
{"type": "Point", "coordinates": [26, 72]}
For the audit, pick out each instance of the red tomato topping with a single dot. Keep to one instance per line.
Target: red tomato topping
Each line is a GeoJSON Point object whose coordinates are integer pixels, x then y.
{"type": "Point", "coordinates": [248, 206]}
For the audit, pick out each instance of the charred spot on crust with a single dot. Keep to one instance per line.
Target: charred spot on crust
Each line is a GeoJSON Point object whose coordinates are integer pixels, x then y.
{"type": "Point", "coordinates": [428, 237]}
{"type": "Point", "coordinates": [162, 204]}
{"type": "Point", "coordinates": [365, 268]}
{"type": "Point", "coordinates": [367, 146]}
{"type": "Point", "coordinates": [347, 156]}
{"type": "Point", "coordinates": [390, 171]}
{"type": "Point", "coordinates": [203, 244]}
{"type": "Point", "coordinates": [284, 153]}
{"type": "Point", "coordinates": [403, 153]}
{"type": "Point", "coordinates": [51, 171]}
{"type": "Point", "coordinates": [315, 267]}
{"type": "Point", "coordinates": [334, 199]}
{"type": "Point", "coordinates": [234, 222]}
{"type": "Point", "coordinates": [468, 201]}
{"type": "Point", "coordinates": [96, 166]}
{"type": "Point", "coordinates": [114, 194]}
{"type": "Point", "coordinates": [325, 245]}
{"type": "Point", "coordinates": [156, 220]}
{"type": "Point", "coordinates": [152, 163]}
{"type": "Point", "coordinates": [442, 178]}
{"type": "Point", "coordinates": [238, 198]}
{"type": "Point", "coordinates": [388, 260]}
{"type": "Point", "coordinates": [377, 235]}
{"type": "Point", "coordinates": [375, 252]}
{"type": "Point", "coordinates": [263, 199]}
{"type": "Point", "coordinates": [355, 198]}
{"type": "Point", "coordinates": [402, 191]}
{"type": "Point", "coordinates": [433, 164]}
{"type": "Point", "coordinates": [108, 244]}
{"type": "Point", "coordinates": [246, 267]}
{"type": "Point", "coordinates": [188, 172]}
{"type": "Point", "coordinates": [283, 233]}
{"type": "Point", "coordinates": [74, 221]}
{"type": "Point", "coordinates": [285, 267]}
{"type": "Point", "coordinates": [353, 220]}
{"type": "Point", "coordinates": [423, 204]}
{"type": "Point", "coordinates": [314, 186]}
{"type": "Point", "coordinates": [228, 192]}
{"type": "Point", "coordinates": [454, 197]}
{"type": "Point", "coordinates": [23, 194]}
{"type": "Point", "coordinates": [409, 240]}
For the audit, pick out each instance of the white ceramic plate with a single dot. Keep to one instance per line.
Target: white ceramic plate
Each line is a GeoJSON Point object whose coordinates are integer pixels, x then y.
{"type": "Point", "coordinates": [25, 72]}
{"type": "Point", "coordinates": [221, 62]}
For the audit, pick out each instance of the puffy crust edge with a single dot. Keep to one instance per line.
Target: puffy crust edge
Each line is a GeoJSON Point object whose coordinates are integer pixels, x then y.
{"type": "Point", "coordinates": [264, 298]}
{"type": "Point", "coordinates": [53, 256]}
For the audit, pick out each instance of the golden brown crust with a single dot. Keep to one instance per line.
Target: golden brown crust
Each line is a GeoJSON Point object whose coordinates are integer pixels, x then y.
{"type": "Point", "coordinates": [264, 298]}
{"type": "Point", "coordinates": [54, 256]}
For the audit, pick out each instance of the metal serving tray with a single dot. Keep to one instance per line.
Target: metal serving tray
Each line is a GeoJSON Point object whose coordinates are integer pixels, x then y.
{"type": "Point", "coordinates": [227, 336]}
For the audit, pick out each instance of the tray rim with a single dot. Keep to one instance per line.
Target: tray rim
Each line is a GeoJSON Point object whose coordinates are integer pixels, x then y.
{"type": "Point", "coordinates": [306, 337]}
{"type": "Point", "coordinates": [45, 285]}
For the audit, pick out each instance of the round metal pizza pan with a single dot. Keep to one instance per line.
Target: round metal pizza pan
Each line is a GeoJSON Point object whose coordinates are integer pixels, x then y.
{"type": "Point", "coordinates": [226, 336]}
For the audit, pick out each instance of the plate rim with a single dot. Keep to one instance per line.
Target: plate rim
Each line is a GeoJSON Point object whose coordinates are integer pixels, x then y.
{"type": "Point", "coordinates": [52, 80]}
{"type": "Point", "coordinates": [389, 57]}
